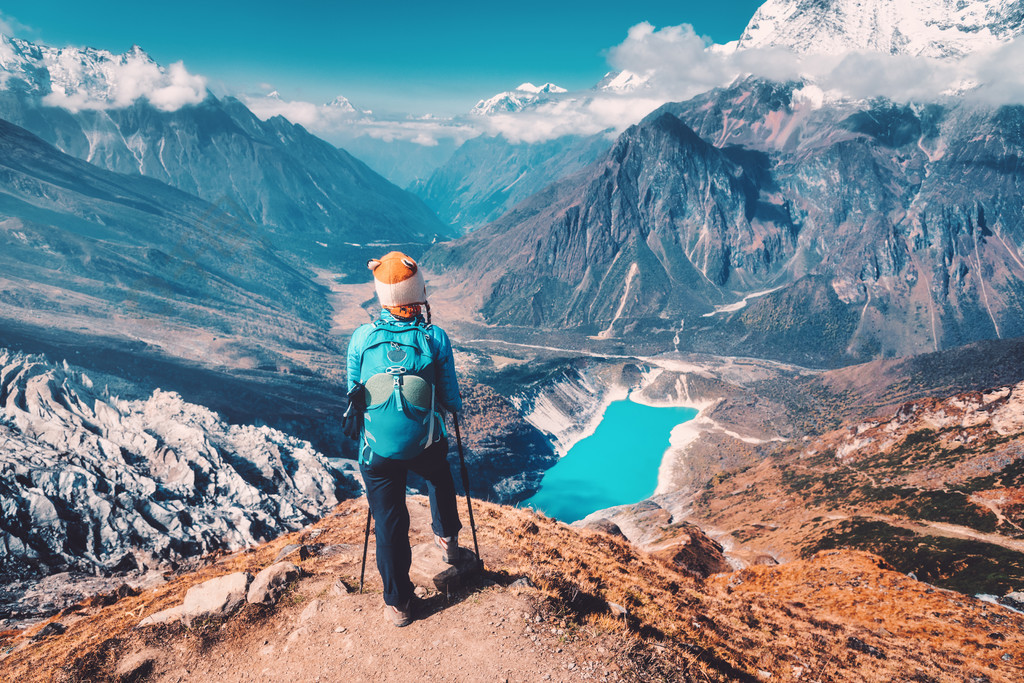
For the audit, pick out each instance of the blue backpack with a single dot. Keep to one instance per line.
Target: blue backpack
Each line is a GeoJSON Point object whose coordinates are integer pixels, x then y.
{"type": "Point", "coordinates": [397, 370]}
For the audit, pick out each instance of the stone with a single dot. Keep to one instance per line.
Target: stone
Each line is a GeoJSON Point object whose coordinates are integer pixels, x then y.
{"type": "Point", "coordinates": [605, 526]}
{"type": "Point", "coordinates": [616, 609]}
{"type": "Point", "coordinates": [137, 666]}
{"type": "Point", "coordinates": [430, 571]}
{"type": "Point", "coordinates": [165, 616]}
{"type": "Point", "coordinates": [52, 629]}
{"type": "Point", "coordinates": [312, 609]}
{"type": "Point", "coordinates": [216, 598]}
{"type": "Point", "coordinates": [271, 582]}
{"type": "Point", "coordinates": [1014, 600]}
{"type": "Point", "coordinates": [339, 589]}
{"type": "Point", "coordinates": [301, 551]}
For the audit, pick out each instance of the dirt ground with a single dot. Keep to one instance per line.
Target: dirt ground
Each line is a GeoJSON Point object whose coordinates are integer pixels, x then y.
{"type": "Point", "coordinates": [483, 632]}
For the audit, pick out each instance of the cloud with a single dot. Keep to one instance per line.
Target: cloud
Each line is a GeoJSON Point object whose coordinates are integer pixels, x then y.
{"type": "Point", "coordinates": [679, 64]}
{"type": "Point", "coordinates": [96, 79]}
{"type": "Point", "coordinates": [338, 124]}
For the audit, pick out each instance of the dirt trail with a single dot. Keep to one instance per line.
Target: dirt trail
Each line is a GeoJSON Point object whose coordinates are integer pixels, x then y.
{"type": "Point", "coordinates": [483, 633]}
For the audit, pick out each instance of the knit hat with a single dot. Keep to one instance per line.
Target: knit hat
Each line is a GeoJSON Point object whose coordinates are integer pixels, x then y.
{"type": "Point", "coordinates": [399, 284]}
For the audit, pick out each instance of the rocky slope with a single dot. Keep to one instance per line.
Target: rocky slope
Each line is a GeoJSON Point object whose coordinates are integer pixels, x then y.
{"type": "Point", "coordinates": [93, 483]}
{"type": "Point", "coordinates": [487, 176]}
{"type": "Point", "coordinates": [555, 603]}
{"type": "Point", "coordinates": [754, 222]}
{"type": "Point", "coordinates": [311, 198]}
{"type": "Point", "coordinates": [934, 488]}
{"type": "Point", "coordinates": [112, 251]}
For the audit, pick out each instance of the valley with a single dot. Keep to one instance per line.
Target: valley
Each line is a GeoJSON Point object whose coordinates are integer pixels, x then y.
{"type": "Point", "coordinates": [807, 304]}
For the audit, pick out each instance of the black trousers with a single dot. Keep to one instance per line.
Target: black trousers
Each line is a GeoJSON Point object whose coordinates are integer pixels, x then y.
{"type": "Point", "coordinates": [385, 481]}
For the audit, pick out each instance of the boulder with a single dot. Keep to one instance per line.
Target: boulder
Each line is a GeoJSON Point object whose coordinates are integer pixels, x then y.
{"type": "Point", "coordinates": [1014, 600]}
{"type": "Point", "coordinates": [430, 571]}
{"type": "Point", "coordinates": [165, 616]}
{"type": "Point", "coordinates": [137, 666]}
{"type": "Point", "coordinates": [270, 583]}
{"type": "Point", "coordinates": [216, 598]}
{"type": "Point", "coordinates": [312, 609]}
{"type": "Point", "coordinates": [301, 551]}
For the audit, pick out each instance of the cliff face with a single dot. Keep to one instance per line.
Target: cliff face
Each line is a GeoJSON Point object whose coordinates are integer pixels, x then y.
{"type": "Point", "coordinates": [773, 225]}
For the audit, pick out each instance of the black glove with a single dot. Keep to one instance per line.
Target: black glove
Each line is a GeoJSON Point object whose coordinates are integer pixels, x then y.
{"type": "Point", "coordinates": [352, 420]}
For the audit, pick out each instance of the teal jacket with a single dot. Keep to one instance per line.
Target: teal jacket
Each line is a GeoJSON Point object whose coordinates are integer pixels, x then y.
{"type": "Point", "coordinates": [446, 385]}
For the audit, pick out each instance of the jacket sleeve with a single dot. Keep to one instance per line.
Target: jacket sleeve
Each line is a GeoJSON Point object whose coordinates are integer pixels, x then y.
{"type": "Point", "coordinates": [355, 351]}
{"type": "Point", "coordinates": [447, 385]}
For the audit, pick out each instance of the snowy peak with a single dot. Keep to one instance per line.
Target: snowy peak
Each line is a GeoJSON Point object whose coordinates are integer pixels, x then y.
{"type": "Point", "coordinates": [927, 28]}
{"type": "Point", "coordinates": [621, 82]}
{"type": "Point", "coordinates": [87, 78]}
{"type": "Point", "coordinates": [342, 104]}
{"type": "Point", "coordinates": [525, 96]}
{"type": "Point", "coordinates": [546, 88]}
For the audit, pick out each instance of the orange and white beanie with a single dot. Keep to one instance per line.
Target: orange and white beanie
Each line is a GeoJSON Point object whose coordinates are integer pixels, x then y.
{"type": "Point", "coordinates": [400, 286]}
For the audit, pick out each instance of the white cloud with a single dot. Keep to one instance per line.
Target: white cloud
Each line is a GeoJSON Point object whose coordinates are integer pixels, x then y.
{"type": "Point", "coordinates": [338, 124]}
{"type": "Point", "coordinates": [678, 64]}
{"type": "Point", "coordinates": [97, 79]}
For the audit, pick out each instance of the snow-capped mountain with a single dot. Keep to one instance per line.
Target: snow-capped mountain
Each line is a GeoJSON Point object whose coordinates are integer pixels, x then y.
{"type": "Point", "coordinates": [621, 82]}
{"type": "Point", "coordinates": [927, 28]}
{"type": "Point", "coordinates": [127, 114]}
{"type": "Point", "coordinates": [87, 78]}
{"type": "Point", "coordinates": [525, 95]}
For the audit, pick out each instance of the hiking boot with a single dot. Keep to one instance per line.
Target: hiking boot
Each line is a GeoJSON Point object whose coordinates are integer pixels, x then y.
{"type": "Point", "coordinates": [400, 615]}
{"type": "Point", "coordinates": [449, 546]}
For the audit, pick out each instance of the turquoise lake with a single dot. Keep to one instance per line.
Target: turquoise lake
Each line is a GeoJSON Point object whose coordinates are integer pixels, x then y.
{"type": "Point", "coordinates": [616, 465]}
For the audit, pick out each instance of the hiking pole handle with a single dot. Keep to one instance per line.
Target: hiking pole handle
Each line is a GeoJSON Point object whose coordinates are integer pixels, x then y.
{"type": "Point", "coordinates": [465, 485]}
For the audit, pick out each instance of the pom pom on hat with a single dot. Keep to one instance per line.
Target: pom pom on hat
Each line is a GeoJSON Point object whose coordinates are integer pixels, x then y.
{"type": "Point", "coordinates": [398, 280]}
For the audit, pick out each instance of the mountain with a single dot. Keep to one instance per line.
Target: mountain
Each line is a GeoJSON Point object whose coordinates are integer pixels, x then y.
{"type": "Point", "coordinates": [524, 96]}
{"type": "Point", "coordinates": [925, 28]}
{"type": "Point", "coordinates": [313, 199]}
{"type": "Point", "coordinates": [753, 221]}
{"type": "Point", "coordinates": [85, 248]}
{"type": "Point", "coordinates": [935, 488]}
{"type": "Point", "coordinates": [488, 175]}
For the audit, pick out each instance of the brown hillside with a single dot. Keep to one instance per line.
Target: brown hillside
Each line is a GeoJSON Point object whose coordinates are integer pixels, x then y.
{"type": "Point", "coordinates": [837, 616]}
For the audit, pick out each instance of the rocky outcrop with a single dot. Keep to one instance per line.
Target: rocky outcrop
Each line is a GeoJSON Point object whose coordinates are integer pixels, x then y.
{"type": "Point", "coordinates": [268, 585]}
{"type": "Point", "coordinates": [506, 456]}
{"type": "Point", "coordinates": [96, 483]}
{"type": "Point", "coordinates": [647, 525]}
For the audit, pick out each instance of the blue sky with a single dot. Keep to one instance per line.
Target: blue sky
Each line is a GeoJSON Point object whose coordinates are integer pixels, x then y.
{"type": "Point", "coordinates": [396, 56]}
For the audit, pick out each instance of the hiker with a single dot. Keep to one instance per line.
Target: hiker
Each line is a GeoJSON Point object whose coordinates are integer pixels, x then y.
{"type": "Point", "coordinates": [403, 366]}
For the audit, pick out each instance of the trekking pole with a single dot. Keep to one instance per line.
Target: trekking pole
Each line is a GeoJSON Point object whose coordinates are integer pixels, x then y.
{"type": "Point", "coordinates": [366, 544]}
{"type": "Point", "coordinates": [465, 485]}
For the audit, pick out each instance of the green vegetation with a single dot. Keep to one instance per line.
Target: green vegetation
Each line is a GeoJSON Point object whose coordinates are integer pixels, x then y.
{"type": "Point", "coordinates": [966, 566]}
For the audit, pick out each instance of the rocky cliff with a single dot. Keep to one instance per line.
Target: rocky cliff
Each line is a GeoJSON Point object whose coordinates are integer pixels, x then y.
{"type": "Point", "coordinates": [752, 220]}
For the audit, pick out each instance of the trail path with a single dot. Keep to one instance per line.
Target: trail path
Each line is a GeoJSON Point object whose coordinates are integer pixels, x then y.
{"type": "Point", "coordinates": [487, 633]}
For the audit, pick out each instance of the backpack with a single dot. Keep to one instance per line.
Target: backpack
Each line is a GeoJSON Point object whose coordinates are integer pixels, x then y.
{"type": "Point", "coordinates": [397, 370]}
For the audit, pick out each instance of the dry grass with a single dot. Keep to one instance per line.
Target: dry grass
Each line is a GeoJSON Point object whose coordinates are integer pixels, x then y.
{"type": "Point", "coordinates": [840, 616]}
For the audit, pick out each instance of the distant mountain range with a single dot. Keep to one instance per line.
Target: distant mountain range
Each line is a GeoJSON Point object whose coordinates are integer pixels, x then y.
{"type": "Point", "coordinates": [750, 221]}
{"type": "Point", "coordinates": [311, 198]}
